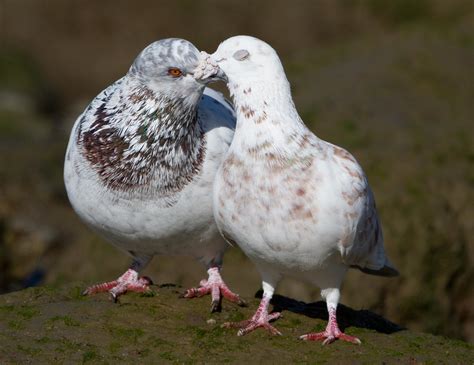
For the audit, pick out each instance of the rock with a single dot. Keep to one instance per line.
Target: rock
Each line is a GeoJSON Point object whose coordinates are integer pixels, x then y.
{"type": "Point", "coordinates": [46, 324]}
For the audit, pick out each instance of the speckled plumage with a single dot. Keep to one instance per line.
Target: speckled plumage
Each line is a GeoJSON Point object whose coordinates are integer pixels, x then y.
{"type": "Point", "coordinates": [141, 161]}
{"type": "Point", "coordinates": [161, 140]}
{"type": "Point", "coordinates": [297, 206]}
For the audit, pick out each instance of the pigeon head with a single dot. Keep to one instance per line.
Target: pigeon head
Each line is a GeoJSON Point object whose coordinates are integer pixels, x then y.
{"type": "Point", "coordinates": [167, 66]}
{"type": "Point", "coordinates": [247, 58]}
{"type": "Point", "coordinates": [145, 127]}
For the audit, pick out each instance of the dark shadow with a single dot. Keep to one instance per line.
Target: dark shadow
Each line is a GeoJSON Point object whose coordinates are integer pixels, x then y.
{"type": "Point", "coordinates": [346, 316]}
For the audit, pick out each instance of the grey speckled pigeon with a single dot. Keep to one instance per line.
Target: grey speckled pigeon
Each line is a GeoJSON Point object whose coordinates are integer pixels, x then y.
{"type": "Point", "coordinates": [141, 162]}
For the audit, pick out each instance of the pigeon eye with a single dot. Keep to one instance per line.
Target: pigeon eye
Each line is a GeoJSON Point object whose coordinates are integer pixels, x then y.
{"type": "Point", "coordinates": [175, 72]}
{"type": "Point", "coordinates": [241, 54]}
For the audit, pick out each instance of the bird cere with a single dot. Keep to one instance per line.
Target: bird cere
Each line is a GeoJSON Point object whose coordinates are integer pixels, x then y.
{"type": "Point", "coordinates": [160, 164]}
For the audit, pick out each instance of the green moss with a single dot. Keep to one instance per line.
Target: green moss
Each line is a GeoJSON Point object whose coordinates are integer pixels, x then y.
{"type": "Point", "coordinates": [198, 332]}
{"type": "Point", "coordinates": [128, 333]}
{"type": "Point", "coordinates": [148, 294]}
{"type": "Point", "coordinates": [16, 324]}
{"type": "Point", "coordinates": [295, 322]}
{"type": "Point", "coordinates": [89, 356]}
{"type": "Point", "coordinates": [115, 346]}
{"type": "Point", "coordinates": [159, 342]}
{"type": "Point", "coordinates": [76, 293]}
{"type": "Point", "coordinates": [236, 316]}
{"type": "Point", "coordinates": [42, 291]}
{"type": "Point", "coordinates": [28, 350]}
{"type": "Point", "coordinates": [319, 327]}
{"type": "Point", "coordinates": [144, 352]}
{"type": "Point", "coordinates": [27, 312]}
{"type": "Point", "coordinates": [7, 308]}
{"type": "Point", "coordinates": [67, 320]}
{"type": "Point", "coordinates": [43, 340]}
{"type": "Point", "coordinates": [132, 334]}
{"type": "Point", "coordinates": [167, 355]}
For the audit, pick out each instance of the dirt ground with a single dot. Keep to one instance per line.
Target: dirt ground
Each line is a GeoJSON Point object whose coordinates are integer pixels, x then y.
{"type": "Point", "coordinates": [46, 325]}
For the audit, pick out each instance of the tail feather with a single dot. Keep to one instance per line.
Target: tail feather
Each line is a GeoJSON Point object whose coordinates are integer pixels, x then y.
{"type": "Point", "coordinates": [388, 271]}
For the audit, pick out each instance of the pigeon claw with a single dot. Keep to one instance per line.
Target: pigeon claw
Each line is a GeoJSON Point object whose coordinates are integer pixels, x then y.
{"type": "Point", "coordinates": [146, 280]}
{"type": "Point", "coordinates": [252, 324]}
{"type": "Point", "coordinates": [195, 292]}
{"type": "Point", "coordinates": [241, 302]}
{"type": "Point", "coordinates": [327, 338]}
{"type": "Point", "coordinates": [331, 333]}
{"type": "Point", "coordinates": [128, 282]}
{"type": "Point", "coordinates": [216, 306]}
{"type": "Point", "coordinates": [100, 288]}
{"type": "Point", "coordinates": [114, 298]}
{"type": "Point", "coordinates": [218, 290]}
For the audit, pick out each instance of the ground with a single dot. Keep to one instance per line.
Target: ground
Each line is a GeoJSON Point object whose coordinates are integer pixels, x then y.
{"type": "Point", "coordinates": [49, 325]}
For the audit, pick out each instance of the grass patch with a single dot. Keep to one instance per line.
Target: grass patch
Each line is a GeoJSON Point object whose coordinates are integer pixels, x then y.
{"type": "Point", "coordinates": [131, 334]}
{"type": "Point", "coordinates": [68, 321]}
{"type": "Point", "coordinates": [89, 356]}
{"type": "Point", "coordinates": [28, 350]}
{"type": "Point", "coordinates": [27, 312]}
{"type": "Point", "coordinates": [16, 324]}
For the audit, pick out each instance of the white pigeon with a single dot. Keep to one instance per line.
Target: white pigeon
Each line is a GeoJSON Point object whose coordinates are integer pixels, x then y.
{"type": "Point", "coordinates": [141, 162]}
{"type": "Point", "coordinates": [297, 206]}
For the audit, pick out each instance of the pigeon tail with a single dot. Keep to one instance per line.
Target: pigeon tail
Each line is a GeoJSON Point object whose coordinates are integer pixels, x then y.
{"type": "Point", "coordinates": [388, 270]}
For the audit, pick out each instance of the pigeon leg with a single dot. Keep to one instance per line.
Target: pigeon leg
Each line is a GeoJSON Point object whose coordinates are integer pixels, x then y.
{"type": "Point", "coordinates": [217, 288]}
{"type": "Point", "coordinates": [332, 331]}
{"type": "Point", "coordinates": [261, 318]}
{"type": "Point", "coordinates": [129, 281]}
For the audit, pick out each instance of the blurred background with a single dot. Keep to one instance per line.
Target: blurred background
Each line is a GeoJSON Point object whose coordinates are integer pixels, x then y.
{"type": "Point", "coordinates": [391, 81]}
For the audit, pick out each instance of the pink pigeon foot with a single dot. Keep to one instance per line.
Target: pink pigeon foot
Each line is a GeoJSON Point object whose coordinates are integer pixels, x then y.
{"type": "Point", "coordinates": [331, 333]}
{"type": "Point", "coordinates": [129, 281]}
{"type": "Point", "coordinates": [216, 287]}
{"type": "Point", "coordinates": [261, 318]}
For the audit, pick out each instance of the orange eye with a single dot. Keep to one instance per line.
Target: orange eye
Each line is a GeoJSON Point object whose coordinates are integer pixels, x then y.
{"type": "Point", "coordinates": [175, 72]}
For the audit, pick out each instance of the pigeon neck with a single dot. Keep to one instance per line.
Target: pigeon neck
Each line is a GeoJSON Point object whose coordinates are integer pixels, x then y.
{"type": "Point", "coordinates": [262, 101]}
{"type": "Point", "coordinates": [143, 143]}
{"type": "Point", "coordinates": [266, 115]}
{"type": "Point", "coordinates": [159, 120]}
{"type": "Point", "coordinates": [276, 91]}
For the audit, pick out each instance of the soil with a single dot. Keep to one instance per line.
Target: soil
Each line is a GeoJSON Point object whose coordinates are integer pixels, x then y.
{"type": "Point", "coordinates": [59, 325]}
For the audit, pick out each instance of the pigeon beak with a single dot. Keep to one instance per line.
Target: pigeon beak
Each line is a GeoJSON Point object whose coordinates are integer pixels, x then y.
{"type": "Point", "coordinates": [208, 71]}
{"type": "Point", "coordinates": [220, 73]}
{"type": "Point", "coordinates": [217, 75]}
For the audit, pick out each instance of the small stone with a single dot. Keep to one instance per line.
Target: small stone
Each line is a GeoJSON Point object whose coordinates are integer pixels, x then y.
{"type": "Point", "coordinates": [211, 321]}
